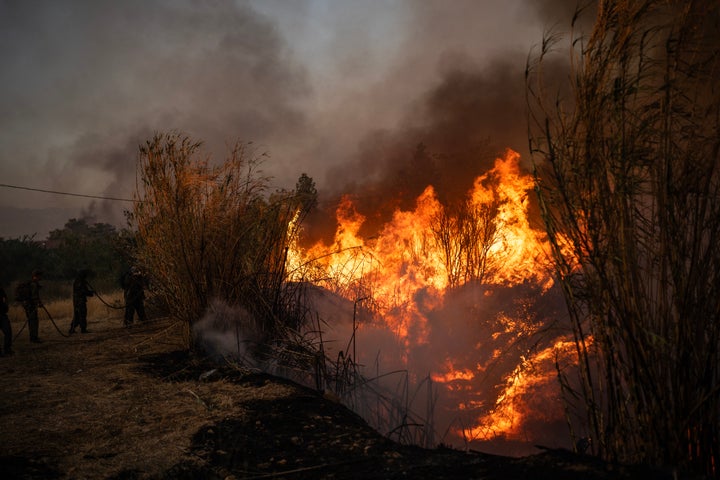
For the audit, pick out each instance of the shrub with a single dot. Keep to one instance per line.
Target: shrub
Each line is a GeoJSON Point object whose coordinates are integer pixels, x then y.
{"type": "Point", "coordinates": [213, 232]}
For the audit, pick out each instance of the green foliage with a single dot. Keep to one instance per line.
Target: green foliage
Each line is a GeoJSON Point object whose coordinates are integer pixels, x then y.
{"type": "Point", "coordinates": [629, 183]}
{"type": "Point", "coordinates": [213, 232]}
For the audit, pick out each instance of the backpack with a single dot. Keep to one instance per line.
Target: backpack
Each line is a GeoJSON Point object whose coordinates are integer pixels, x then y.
{"type": "Point", "coordinates": [23, 292]}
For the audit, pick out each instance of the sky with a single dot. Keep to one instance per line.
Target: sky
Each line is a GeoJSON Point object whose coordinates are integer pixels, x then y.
{"type": "Point", "coordinates": [354, 93]}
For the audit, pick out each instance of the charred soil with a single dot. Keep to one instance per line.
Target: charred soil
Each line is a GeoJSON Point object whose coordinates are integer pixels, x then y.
{"type": "Point", "coordinates": [121, 403]}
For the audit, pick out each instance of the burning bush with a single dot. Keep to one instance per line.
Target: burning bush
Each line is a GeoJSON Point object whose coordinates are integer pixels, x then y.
{"type": "Point", "coordinates": [443, 312]}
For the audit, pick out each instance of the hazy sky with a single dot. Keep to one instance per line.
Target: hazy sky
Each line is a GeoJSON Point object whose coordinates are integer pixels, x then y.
{"type": "Point", "coordinates": [342, 90]}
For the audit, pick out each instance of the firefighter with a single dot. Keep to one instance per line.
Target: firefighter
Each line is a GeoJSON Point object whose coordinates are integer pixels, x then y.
{"type": "Point", "coordinates": [81, 292]}
{"type": "Point", "coordinates": [31, 305]}
{"type": "Point", "coordinates": [134, 283]}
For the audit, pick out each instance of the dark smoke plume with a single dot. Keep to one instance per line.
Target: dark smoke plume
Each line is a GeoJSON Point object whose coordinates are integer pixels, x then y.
{"type": "Point", "coordinates": [453, 134]}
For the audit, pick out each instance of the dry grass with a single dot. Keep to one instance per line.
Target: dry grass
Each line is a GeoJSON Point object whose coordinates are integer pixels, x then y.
{"type": "Point", "coordinates": [127, 404]}
{"type": "Point", "coordinates": [81, 404]}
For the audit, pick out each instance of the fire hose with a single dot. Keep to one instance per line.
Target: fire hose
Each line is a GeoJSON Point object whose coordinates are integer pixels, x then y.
{"type": "Point", "coordinates": [53, 322]}
{"type": "Point", "coordinates": [51, 319]}
{"type": "Point", "coordinates": [19, 331]}
{"type": "Point", "coordinates": [103, 301]}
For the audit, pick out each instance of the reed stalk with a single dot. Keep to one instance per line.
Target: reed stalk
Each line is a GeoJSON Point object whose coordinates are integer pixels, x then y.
{"type": "Point", "coordinates": [627, 175]}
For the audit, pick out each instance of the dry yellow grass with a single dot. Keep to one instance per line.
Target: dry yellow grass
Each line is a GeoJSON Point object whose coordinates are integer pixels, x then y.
{"type": "Point", "coordinates": [81, 403]}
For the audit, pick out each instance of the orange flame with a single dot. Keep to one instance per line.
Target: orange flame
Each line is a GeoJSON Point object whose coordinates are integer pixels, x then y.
{"type": "Point", "coordinates": [506, 418]}
{"type": "Point", "coordinates": [407, 268]}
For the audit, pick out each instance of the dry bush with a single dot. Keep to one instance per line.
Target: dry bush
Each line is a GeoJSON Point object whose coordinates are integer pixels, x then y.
{"type": "Point", "coordinates": [213, 232]}
{"type": "Point", "coordinates": [628, 180]}
{"type": "Point", "coordinates": [465, 233]}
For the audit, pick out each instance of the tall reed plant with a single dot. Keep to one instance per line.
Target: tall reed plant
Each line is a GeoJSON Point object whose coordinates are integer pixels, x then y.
{"type": "Point", "coordinates": [628, 178]}
{"type": "Point", "coordinates": [209, 231]}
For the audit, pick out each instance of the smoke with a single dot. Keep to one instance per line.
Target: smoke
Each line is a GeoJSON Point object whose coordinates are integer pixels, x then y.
{"type": "Point", "coordinates": [453, 135]}
{"type": "Point", "coordinates": [483, 332]}
{"type": "Point", "coordinates": [227, 331]}
{"type": "Point", "coordinates": [84, 84]}
{"type": "Point", "coordinates": [559, 14]}
{"type": "Point", "coordinates": [365, 100]}
{"type": "Point", "coordinates": [449, 132]}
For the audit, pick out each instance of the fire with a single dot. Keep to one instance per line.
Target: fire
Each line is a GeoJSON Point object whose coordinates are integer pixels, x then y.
{"type": "Point", "coordinates": [453, 374]}
{"type": "Point", "coordinates": [390, 268]}
{"type": "Point", "coordinates": [406, 256]}
{"type": "Point", "coordinates": [506, 418]}
{"type": "Point", "coordinates": [407, 270]}
{"type": "Point", "coordinates": [520, 247]}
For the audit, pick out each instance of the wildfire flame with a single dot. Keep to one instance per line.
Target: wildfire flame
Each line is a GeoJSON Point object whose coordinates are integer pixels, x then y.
{"type": "Point", "coordinates": [416, 258]}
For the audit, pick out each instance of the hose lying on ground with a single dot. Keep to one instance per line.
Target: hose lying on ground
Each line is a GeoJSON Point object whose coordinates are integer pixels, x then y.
{"type": "Point", "coordinates": [51, 319]}
{"type": "Point", "coordinates": [53, 322]}
{"type": "Point", "coordinates": [18, 333]}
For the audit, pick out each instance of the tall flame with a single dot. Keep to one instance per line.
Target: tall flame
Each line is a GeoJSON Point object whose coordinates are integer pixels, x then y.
{"type": "Point", "coordinates": [408, 268]}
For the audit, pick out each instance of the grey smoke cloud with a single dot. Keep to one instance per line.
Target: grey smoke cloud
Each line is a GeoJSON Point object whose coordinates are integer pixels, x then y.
{"type": "Point", "coordinates": [86, 82]}
{"type": "Point", "coordinates": [324, 87]}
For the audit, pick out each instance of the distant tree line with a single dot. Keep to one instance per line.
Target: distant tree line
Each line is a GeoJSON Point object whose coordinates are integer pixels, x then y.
{"type": "Point", "coordinates": [98, 247]}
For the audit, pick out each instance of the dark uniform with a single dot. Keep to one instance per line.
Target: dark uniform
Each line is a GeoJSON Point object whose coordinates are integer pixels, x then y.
{"type": "Point", "coordinates": [133, 283]}
{"type": "Point", "coordinates": [81, 290]}
{"type": "Point", "coordinates": [32, 304]}
{"type": "Point", "coordinates": [5, 323]}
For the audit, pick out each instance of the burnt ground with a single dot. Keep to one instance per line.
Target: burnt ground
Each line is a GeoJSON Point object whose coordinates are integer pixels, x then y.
{"type": "Point", "coordinates": [130, 404]}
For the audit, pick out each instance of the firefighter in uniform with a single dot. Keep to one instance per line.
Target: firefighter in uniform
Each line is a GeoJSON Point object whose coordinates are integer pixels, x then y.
{"type": "Point", "coordinates": [81, 291]}
{"type": "Point", "coordinates": [5, 323]}
{"type": "Point", "coordinates": [134, 283]}
{"type": "Point", "coordinates": [32, 304]}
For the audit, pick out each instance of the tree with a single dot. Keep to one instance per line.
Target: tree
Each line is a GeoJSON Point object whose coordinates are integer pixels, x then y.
{"type": "Point", "coordinates": [465, 233]}
{"type": "Point", "coordinates": [79, 245]}
{"type": "Point", "coordinates": [212, 232]}
{"type": "Point", "coordinates": [306, 193]}
{"type": "Point", "coordinates": [628, 181]}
